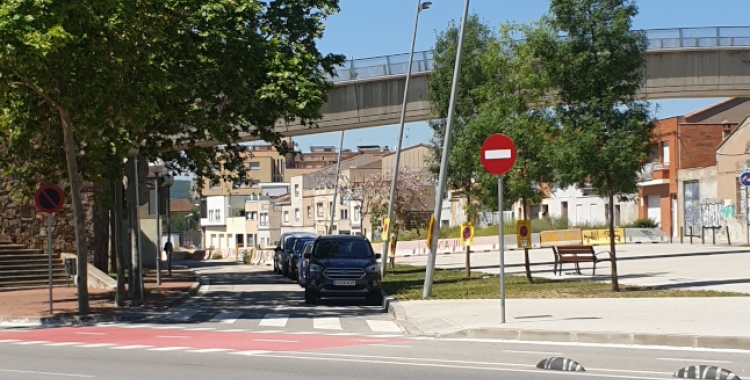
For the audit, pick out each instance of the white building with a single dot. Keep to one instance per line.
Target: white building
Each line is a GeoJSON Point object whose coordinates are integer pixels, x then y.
{"type": "Point", "coordinates": [581, 207]}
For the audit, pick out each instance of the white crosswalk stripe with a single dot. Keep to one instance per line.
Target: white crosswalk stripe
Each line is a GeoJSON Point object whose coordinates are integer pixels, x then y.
{"type": "Point", "coordinates": [327, 323]}
{"type": "Point", "coordinates": [227, 318]}
{"type": "Point", "coordinates": [383, 326]}
{"type": "Point", "coordinates": [274, 320]}
{"type": "Point", "coordinates": [183, 315]}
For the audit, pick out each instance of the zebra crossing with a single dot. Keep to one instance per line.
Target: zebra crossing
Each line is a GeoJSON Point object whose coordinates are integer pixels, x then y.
{"type": "Point", "coordinates": [195, 319]}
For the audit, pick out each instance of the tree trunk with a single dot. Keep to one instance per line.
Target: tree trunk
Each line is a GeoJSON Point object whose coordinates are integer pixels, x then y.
{"type": "Point", "coordinates": [100, 244]}
{"type": "Point", "coordinates": [112, 242]}
{"type": "Point", "coordinates": [79, 218]}
{"type": "Point", "coordinates": [117, 235]}
{"type": "Point", "coordinates": [526, 261]}
{"type": "Point", "coordinates": [615, 282]}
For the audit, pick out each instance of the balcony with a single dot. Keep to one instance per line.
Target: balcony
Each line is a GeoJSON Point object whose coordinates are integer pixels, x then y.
{"type": "Point", "coordinates": [653, 173]}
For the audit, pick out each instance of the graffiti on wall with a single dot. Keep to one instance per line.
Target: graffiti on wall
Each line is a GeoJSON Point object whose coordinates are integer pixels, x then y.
{"type": "Point", "coordinates": [715, 214]}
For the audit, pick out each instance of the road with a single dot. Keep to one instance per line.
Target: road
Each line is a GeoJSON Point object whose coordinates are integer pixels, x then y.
{"type": "Point", "coordinates": [251, 323]}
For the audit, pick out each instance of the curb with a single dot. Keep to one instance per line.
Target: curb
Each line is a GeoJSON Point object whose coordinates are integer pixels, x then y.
{"type": "Point", "coordinates": [84, 320]}
{"type": "Point", "coordinates": [670, 340]}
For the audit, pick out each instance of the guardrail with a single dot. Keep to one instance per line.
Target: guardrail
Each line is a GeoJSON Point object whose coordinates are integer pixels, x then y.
{"type": "Point", "coordinates": [657, 39]}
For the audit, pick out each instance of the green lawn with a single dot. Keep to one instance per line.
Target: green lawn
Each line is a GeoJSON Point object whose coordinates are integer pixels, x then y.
{"type": "Point", "coordinates": [405, 282]}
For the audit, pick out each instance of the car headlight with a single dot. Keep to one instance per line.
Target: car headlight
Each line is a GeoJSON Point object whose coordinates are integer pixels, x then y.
{"type": "Point", "coordinates": [372, 268]}
{"type": "Point", "coordinates": [315, 268]}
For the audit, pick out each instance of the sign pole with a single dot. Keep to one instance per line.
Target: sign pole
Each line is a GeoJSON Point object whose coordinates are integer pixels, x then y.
{"type": "Point", "coordinates": [501, 233]}
{"type": "Point", "coordinates": [49, 257]}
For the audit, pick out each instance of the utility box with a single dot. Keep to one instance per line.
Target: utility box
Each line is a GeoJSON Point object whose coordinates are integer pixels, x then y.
{"type": "Point", "coordinates": [70, 267]}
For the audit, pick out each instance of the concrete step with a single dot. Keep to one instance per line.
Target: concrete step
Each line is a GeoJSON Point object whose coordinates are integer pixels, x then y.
{"type": "Point", "coordinates": [29, 286]}
{"type": "Point", "coordinates": [4, 272]}
{"type": "Point", "coordinates": [22, 266]}
{"type": "Point", "coordinates": [22, 251]}
{"type": "Point", "coordinates": [10, 246]}
{"type": "Point", "coordinates": [20, 276]}
{"type": "Point", "coordinates": [27, 258]}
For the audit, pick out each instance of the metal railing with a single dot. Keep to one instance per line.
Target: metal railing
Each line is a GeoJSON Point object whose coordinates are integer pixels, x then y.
{"type": "Point", "coordinates": [657, 40]}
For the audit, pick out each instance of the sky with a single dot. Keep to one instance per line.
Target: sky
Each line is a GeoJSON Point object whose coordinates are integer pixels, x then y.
{"type": "Point", "coordinates": [370, 28]}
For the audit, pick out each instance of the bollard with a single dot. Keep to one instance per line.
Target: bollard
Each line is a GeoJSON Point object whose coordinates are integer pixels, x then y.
{"type": "Point", "coordinates": [729, 240]}
{"type": "Point", "coordinates": [691, 234]}
{"type": "Point", "coordinates": [703, 235]}
{"type": "Point", "coordinates": [682, 233]}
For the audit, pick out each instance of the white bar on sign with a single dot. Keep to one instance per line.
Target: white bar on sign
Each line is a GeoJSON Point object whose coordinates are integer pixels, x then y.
{"type": "Point", "coordinates": [497, 154]}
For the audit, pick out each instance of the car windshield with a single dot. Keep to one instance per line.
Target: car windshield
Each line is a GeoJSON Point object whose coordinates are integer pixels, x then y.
{"type": "Point", "coordinates": [300, 244]}
{"type": "Point", "coordinates": [343, 248]}
{"type": "Point", "coordinates": [290, 243]}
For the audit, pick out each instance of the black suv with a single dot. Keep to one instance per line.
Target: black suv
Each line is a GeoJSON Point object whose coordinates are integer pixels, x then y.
{"type": "Point", "coordinates": [342, 266]}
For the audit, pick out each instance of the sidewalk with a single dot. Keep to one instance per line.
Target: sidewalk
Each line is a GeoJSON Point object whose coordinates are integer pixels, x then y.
{"type": "Point", "coordinates": [31, 307]}
{"type": "Point", "coordinates": [681, 322]}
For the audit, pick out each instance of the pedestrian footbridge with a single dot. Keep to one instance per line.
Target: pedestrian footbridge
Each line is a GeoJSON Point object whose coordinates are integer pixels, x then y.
{"type": "Point", "coordinates": [680, 63]}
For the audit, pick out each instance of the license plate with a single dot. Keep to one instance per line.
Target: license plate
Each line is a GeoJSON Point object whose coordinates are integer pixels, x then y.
{"type": "Point", "coordinates": [344, 283]}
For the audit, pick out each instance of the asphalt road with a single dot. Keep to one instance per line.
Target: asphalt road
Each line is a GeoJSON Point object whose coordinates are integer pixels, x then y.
{"type": "Point", "coordinates": [395, 359]}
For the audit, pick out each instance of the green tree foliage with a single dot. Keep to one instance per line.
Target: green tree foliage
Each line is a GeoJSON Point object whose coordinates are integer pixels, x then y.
{"type": "Point", "coordinates": [597, 69]}
{"type": "Point", "coordinates": [463, 165]}
{"type": "Point", "coordinates": [99, 78]}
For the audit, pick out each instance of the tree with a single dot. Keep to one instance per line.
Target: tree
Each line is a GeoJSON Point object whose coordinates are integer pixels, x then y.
{"type": "Point", "coordinates": [99, 78]}
{"type": "Point", "coordinates": [597, 70]}
{"type": "Point", "coordinates": [463, 164]}
{"type": "Point", "coordinates": [513, 102]}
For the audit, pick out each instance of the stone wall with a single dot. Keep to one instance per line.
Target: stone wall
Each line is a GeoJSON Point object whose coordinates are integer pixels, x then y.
{"type": "Point", "coordinates": [20, 222]}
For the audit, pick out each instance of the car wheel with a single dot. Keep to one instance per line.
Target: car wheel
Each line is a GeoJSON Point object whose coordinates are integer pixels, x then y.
{"type": "Point", "coordinates": [310, 297]}
{"type": "Point", "coordinates": [375, 298]}
{"type": "Point", "coordinates": [285, 269]}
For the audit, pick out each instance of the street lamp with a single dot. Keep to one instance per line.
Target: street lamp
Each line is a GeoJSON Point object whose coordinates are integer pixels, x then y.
{"type": "Point", "coordinates": [420, 7]}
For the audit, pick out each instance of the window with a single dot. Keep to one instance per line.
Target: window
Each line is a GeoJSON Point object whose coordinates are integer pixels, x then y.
{"type": "Point", "coordinates": [357, 213]}
{"type": "Point", "coordinates": [320, 209]}
{"type": "Point", "coordinates": [344, 214]}
{"type": "Point", "coordinates": [330, 208]}
{"type": "Point", "coordinates": [296, 214]}
{"type": "Point", "coordinates": [296, 190]}
{"type": "Point", "coordinates": [286, 216]}
{"type": "Point", "coordinates": [210, 215]}
{"type": "Point", "coordinates": [252, 215]}
{"type": "Point", "coordinates": [665, 153]}
{"type": "Point", "coordinates": [253, 165]}
{"type": "Point", "coordinates": [204, 208]}
{"type": "Point", "coordinates": [309, 211]}
{"type": "Point", "coordinates": [264, 219]}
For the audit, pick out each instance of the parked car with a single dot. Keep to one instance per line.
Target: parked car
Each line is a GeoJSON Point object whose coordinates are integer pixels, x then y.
{"type": "Point", "coordinates": [296, 255]}
{"type": "Point", "coordinates": [342, 266]}
{"type": "Point", "coordinates": [303, 263]}
{"type": "Point", "coordinates": [284, 246]}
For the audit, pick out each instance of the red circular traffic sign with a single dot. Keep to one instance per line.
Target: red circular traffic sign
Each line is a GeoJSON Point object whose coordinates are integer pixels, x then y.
{"type": "Point", "coordinates": [49, 199]}
{"type": "Point", "coordinates": [498, 154]}
{"type": "Point", "coordinates": [467, 232]}
{"type": "Point", "coordinates": [523, 231]}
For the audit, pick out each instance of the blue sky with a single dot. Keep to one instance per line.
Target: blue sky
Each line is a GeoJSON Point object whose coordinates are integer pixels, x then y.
{"type": "Point", "coordinates": [368, 28]}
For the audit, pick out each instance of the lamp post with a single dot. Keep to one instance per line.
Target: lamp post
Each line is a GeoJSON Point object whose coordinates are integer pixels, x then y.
{"type": "Point", "coordinates": [157, 170]}
{"type": "Point", "coordinates": [420, 7]}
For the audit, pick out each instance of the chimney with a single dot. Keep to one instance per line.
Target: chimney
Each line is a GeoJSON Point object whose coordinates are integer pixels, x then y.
{"type": "Point", "coordinates": [726, 129]}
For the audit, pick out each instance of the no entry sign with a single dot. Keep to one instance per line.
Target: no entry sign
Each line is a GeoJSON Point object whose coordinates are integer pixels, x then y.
{"type": "Point", "coordinates": [498, 154]}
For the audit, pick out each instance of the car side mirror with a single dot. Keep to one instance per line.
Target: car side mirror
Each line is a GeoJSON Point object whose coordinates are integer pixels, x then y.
{"type": "Point", "coordinates": [377, 256]}
{"type": "Point", "coordinates": [307, 255]}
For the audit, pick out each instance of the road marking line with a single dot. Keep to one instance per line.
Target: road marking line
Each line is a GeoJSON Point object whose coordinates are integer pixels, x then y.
{"type": "Point", "coordinates": [46, 373]}
{"type": "Point", "coordinates": [201, 329]}
{"type": "Point", "coordinates": [383, 326]}
{"type": "Point", "coordinates": [268, 331]}
{"type": "Point", "coordinates": [9, 340]}
{"type": "Point", "coordinates": [274, 320]}
{"type": "Point", "coordinates": [90, 333]}
{"type": "Point", "coordinates": [210, 350]}
{"type": "Point", "coordinates": [227, 318]}
{"type": "Point", "coordinates": [328, 323]}
{"type": "Point", "coordinates": [275, 340]}
{"type": "Point", "coordinates": [343, 334]}
{"type": "Point", "coordinates": [694, 360]}
{"type": "Point", "coordinates": [497, 154]}
{"type": "Point", "coordinates": [96, 345]}
{"type": "Point", "coordinates": [173, 336]}
{"type": "Point", "coordinates": [249, 353]}
{"type": "Point", "coordinates": [63, 344]}
{"type": "Point", "coordinates": [183, 315]}
{"type": "Point", "coordinates": [168, 348]}
{"type": "Point", "coordinates": [132, 347]}
{"type": "Point", "coordinates": [33, 342]}
{"type": "Point", "coordinates": [534, 352]}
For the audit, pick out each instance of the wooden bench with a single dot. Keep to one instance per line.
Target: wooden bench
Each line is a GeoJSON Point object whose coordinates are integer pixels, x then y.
{"type": "Point", "coordinates": [577, 254]}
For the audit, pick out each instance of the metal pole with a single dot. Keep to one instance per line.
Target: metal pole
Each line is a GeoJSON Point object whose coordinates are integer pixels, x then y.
{"type": "Point", "coordinates": [394, 177]}
{"type": "Point", "coordinates": [49, 257]}
{"type": "Point", "coordinates": [169, 230]}
{"type": "Point", "coordinates": [427, 291]}
{"type": "Point", "coordinates": [158, 233]}
{"type": "Point", "coordinates": [137, 267]}
{"type": "Point", "coordinates": [501, 232]}
{"type": "Point", "coordinates": [336, 185]}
